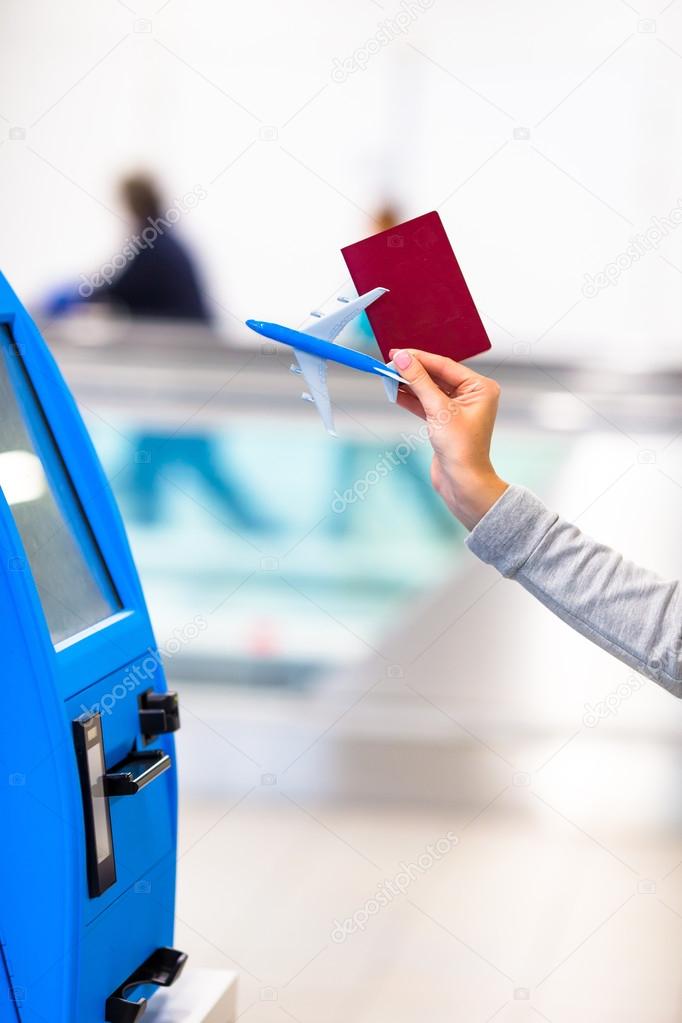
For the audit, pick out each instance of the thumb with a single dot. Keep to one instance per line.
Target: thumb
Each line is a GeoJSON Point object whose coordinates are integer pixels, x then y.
{"type": "Point", "coordinates": [413, 372]}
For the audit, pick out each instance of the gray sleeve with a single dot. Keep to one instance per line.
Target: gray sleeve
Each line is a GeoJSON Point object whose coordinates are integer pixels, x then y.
{"type": "Point", "coordinates": [621, 607]}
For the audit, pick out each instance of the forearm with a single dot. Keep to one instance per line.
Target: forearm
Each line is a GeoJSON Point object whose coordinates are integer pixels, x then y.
{"type": "Point", "coordinates": [623, 608]}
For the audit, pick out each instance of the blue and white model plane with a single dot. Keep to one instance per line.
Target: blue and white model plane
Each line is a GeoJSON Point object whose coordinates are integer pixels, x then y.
{"type": "Point", "coordinates": [314, 346]}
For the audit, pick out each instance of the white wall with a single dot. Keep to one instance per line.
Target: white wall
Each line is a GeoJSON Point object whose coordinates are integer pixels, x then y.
{"type": "Point", "coordinates": [195, 92]}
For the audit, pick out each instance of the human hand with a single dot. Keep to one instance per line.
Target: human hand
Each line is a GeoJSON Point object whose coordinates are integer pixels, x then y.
{"type": "Point", "coordinates": [459, 407]}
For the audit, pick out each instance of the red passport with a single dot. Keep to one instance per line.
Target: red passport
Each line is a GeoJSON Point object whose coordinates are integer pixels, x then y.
{"type": "Point", "coordinates": [428, 305]}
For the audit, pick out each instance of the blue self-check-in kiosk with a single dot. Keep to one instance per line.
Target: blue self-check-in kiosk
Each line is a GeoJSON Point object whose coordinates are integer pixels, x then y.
{"type": "Point", "coordinates": [88, 788]}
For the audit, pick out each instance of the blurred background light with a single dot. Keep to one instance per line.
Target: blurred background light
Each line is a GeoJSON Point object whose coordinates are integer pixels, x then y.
{"type": "Point", "coordinates": [21, 477]}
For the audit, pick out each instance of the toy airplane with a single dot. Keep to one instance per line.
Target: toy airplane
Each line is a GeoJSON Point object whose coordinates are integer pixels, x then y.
{"type": "Point", "coordinates": [314, 345]}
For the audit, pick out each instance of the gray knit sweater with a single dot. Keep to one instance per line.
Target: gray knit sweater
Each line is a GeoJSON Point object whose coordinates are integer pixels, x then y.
{"type": "Point", "coordinates": [621, 607]}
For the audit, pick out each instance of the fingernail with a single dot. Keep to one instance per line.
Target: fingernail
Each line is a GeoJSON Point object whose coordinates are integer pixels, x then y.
{"type": "Point", "coordinates": [402, 359]}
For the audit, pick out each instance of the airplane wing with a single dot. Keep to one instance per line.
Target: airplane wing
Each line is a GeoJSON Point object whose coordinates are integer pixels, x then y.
{"type": "Point", "coordinates": [314, 369]}
{"type": "Point", "coordinates": [329, 327]}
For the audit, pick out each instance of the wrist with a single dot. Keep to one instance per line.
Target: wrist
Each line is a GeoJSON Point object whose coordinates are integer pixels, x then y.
{"type": "Point", "coordinates": [475, 495]}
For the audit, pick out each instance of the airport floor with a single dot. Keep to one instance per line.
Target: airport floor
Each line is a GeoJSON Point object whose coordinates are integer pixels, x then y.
{"type": "Point", "coordinates": [520, 917]}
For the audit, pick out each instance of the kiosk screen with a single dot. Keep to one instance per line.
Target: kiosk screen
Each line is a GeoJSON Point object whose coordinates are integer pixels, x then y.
{"type": "Point", "coordinates": [75, 588]}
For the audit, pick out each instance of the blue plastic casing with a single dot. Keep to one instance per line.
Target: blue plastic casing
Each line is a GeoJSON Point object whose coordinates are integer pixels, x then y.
{"type": "Point", "coordinates": [64, 952]}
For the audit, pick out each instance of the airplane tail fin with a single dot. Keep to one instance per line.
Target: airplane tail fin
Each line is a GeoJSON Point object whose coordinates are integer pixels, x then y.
{"type": "Point", "coordinates": [390, 384]}
{"type": "Point", "coordinates": [391, 387]}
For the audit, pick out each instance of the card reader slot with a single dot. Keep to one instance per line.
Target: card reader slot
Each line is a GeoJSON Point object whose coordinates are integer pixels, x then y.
{"type": "Point", "coordinates": [135, 772]}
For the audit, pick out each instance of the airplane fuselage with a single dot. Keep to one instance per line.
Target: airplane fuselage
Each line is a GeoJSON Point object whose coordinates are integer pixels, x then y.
{"type": "Point", "coordinates": [323, 349]}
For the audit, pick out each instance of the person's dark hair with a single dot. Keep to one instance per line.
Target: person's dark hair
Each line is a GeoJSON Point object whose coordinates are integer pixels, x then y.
{"type": "Point", "coordinates": [387, 216]}
{"type": "Point", "coordinates": [142, 197]}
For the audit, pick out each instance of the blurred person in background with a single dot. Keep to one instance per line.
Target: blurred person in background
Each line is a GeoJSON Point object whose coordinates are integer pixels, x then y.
{"type": "Point", "coordinates": [157, 277]}
{"type": "Point", "coordinates": [160, 280]}
{"type": "Point", "coordinates": [623, 608]}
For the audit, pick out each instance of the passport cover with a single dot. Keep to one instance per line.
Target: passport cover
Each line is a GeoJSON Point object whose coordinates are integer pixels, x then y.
{"type": "Point", "coordinates": [428, 305]}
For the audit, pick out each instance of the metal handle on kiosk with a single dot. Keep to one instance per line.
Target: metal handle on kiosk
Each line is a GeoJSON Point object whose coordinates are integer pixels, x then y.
{"type": "Point", "coordinates": [135, 772]}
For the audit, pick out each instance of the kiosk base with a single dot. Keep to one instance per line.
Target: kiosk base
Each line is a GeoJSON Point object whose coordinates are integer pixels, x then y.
{"type": "Point", "coordinates": [200, 996]}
